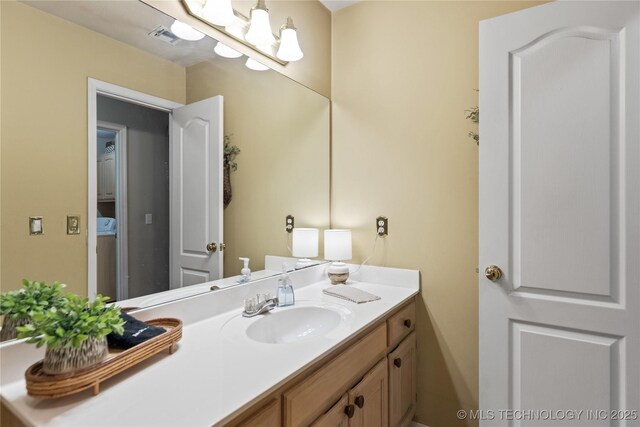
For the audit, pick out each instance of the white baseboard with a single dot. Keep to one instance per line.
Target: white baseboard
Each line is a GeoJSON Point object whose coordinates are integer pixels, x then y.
{"type": "Point", "coordinates": [416, 424]}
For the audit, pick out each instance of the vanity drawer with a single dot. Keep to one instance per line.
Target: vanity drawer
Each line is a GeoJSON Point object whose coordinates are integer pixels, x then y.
{"type": "Point", "coordinates": [401, 324]}
{"type": "Point", "coordinates": [307, 400]}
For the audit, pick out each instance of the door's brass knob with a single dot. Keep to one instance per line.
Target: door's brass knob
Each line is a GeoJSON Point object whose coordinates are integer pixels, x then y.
{"type": "Point", "coordinates": [212, 247]}
{"type": "Point", "coordinates": [493, 273]}
{"type": "Point", "coordinates": [222, 246]}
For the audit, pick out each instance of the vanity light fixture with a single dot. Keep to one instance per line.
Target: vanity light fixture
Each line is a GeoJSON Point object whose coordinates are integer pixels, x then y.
{"type": "Point", "coordinates": [259, 26]}
{"type": "Point", "coordinates": [253, 31]}
{"type": "Point", "coordinates": [252, 64]}
{"type": "Point", "coordinates": [289, 49]}
{"type": "Point", "coordinates": [185, 32]}
{"type": "Point", "coordinates": [337, 248]}
{"type": "Point", "coordinates": [218, 12]}
{"type": "Point", "coordinates": [304, 246]}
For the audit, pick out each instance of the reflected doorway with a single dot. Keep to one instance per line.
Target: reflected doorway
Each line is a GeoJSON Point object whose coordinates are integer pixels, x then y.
{"type": "Point", "coordinates": [132, 215]}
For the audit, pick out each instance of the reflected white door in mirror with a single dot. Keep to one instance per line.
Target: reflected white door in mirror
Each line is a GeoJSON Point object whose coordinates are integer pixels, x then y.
{"type": "Point", "coordinates": [182, 168]}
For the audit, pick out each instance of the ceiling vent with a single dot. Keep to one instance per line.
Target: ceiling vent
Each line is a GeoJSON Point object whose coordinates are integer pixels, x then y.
{"type": "Point", "coordinates": [162, 33]}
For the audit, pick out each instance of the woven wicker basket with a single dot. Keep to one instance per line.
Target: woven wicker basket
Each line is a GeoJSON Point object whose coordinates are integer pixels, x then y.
{"type": "Point", "coordinates": [47, 386]}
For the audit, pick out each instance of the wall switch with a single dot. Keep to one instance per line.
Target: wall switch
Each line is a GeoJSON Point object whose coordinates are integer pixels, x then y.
{"type": "Point", "coordinates": [382, 226]}
{"type": "Point", "coordinates": [148, 219]}
{"type": "Point", "coordinates": [289, 224]}
{"type": "Point", "coordinates": [36, 227]}
{"type": "Point", "coordinates": [73, 224]}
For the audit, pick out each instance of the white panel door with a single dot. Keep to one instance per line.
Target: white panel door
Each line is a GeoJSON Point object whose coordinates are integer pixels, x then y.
{"type": "Point", "coordinates": [196, 192]}
{"type": "Point", "coordinates": [560, 214]}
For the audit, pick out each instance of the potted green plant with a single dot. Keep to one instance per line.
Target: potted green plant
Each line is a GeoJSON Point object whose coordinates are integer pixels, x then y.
{"type": "Point", "coordinates": [229, 163]}
{"type": "Point", "coordinates": [19, 306]}
{"type": "Point", "coordinates": [75, 333]}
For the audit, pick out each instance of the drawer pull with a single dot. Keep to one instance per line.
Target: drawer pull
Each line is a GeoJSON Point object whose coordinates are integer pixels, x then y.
{"type": "Point", "coordinates": [359, 401]}
{"type": "Point", "coordinates": [407, 323]}
{"type": "Point", "coordinates": [350, 410]}
{"type": "Point", "coordinates": [397, 361]}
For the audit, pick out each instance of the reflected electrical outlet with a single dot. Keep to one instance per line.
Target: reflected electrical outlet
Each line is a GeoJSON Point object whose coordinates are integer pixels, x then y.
{"type": "Point", "coordinates": [73, 224]}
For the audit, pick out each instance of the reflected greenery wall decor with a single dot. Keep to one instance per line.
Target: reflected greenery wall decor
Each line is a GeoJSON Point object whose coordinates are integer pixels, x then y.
{"type": "Point", "coordinates": [473, 114]}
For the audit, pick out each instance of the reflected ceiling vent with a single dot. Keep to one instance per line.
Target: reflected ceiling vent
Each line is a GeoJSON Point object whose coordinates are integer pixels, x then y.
{"type": "Point", "coordinates": [162, 33]}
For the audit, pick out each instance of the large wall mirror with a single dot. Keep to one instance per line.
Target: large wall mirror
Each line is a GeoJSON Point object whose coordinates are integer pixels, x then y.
{"type": "Point", "coordinates": [51, 54]}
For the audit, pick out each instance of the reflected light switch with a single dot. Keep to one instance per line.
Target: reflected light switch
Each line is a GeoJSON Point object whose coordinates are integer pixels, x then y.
{"type": "Point", "coordinates": [148, 218]}
{"type": "Point", "coordinates": [35, 225]}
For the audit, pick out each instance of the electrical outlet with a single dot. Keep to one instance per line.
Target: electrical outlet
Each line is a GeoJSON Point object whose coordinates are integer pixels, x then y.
{"type": "Point", "coordinates": [382, 226]}
{"type": "Point", "coordinates": [73, 224]}
{"type": "Point", "coordinates": [289, 224]}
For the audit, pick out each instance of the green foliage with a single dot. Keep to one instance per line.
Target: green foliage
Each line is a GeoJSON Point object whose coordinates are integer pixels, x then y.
{"type": "Point", "coordinates": [69, 324]}
{"type": "Point", "coordinates": [473, 114]}
{"type": "Point", "coordinates": [230, 153]}
{"type": "Point", "coordinates": [35, 297]}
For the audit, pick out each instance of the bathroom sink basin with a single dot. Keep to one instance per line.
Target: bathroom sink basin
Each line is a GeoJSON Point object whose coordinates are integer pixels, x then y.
{"type": "Point", "coordinates": [295, 324]}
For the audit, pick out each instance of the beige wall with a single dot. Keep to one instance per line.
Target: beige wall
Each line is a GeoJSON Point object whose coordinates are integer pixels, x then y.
{"type": "Point", "coordinates": [403, 74]}
{"type": "Point", "coordinates": [312, 20]}
{"type": "Point", "coordinates": [45, 65]}
{"type": "Point", "coordinates": [282, 130]}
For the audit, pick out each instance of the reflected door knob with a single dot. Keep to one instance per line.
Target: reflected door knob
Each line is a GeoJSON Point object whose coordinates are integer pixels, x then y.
{"type": "Point", "coordinates": [493, 273]}
{"type": "Point", "coordinates": [212, 247]}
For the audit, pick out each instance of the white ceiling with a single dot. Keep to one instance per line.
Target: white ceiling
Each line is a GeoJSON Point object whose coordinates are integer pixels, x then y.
{"type": "Point", "coordinates": [334, 5]}
{"type": "Point", "coordinates": [129, 22]}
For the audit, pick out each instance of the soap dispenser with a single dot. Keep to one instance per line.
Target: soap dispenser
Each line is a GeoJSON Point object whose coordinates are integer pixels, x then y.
{"type": "Point", "coordinates": [285, 289]}
{"type": "Point", "coordinates": [245, 273]}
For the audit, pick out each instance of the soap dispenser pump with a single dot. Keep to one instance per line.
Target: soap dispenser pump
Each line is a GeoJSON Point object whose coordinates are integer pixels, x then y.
{"type": "Point", "coordinates": [285, 289]}
{"type": "Point", "coordinates": [245, 273]}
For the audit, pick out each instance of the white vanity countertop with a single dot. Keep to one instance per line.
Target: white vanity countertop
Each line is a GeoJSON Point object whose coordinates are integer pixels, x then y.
{"type": "Point", "coordinates": [216, 371]}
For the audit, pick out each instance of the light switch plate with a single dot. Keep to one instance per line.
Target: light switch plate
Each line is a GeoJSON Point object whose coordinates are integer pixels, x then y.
{"type": "Point", "coordinates": [148, 219]}
{"type": "Point", "coordinates": [73, 224]}
{"type": "Point", "coordinates": [36, 226]}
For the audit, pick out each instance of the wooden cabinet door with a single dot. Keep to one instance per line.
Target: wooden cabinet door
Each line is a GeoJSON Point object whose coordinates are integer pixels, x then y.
{"type": "Point", "coordinates": [336, 416]}
{"type": "Point", "coordinates": [109, 176]}
{"type": "Point", "coordinates": [266, 416]}
{"type": "Point", "coordinates": [402, 382]}
{"type": "Point", "coordinates": [370, 398]}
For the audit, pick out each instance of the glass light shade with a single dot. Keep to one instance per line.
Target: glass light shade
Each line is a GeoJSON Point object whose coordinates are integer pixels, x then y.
{"type": "Point", "coordinates": [185, 32]}
{"type": "Point", "coordinates": [289, 49]}
{"type": "Point", "coordinates": [305, 242]}
{"type": "Point", "coordinates": [255, 65]}
{"type": "Point", "coordinates": [337, 245]}
{"type": "Point", "coordinates": [235, 29]}
{"type": "Point", "coordinates": [225, 51]}
{"type": "Point", "coordinates": [259, 28]}
{"type": "Point", "coordinates": [218, 12]}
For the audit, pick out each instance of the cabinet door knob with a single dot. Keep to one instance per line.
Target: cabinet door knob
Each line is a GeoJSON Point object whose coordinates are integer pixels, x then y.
{"type": "Point", "coordinates": [359, 401]}
{"type": "Point", "coordinates": [350, 410]}
{"type": "Point", "coordinates": [397, 361]}
{"type": "Point", "coordinates": [407, 323]}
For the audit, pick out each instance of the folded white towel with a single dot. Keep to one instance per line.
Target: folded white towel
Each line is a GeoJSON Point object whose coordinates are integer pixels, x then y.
{"type": "Point", "coordinates": [350, 294]}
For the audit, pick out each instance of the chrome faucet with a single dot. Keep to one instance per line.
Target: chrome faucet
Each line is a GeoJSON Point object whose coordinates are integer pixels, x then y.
{"type": "Point", "coordinates": [260, 304]}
